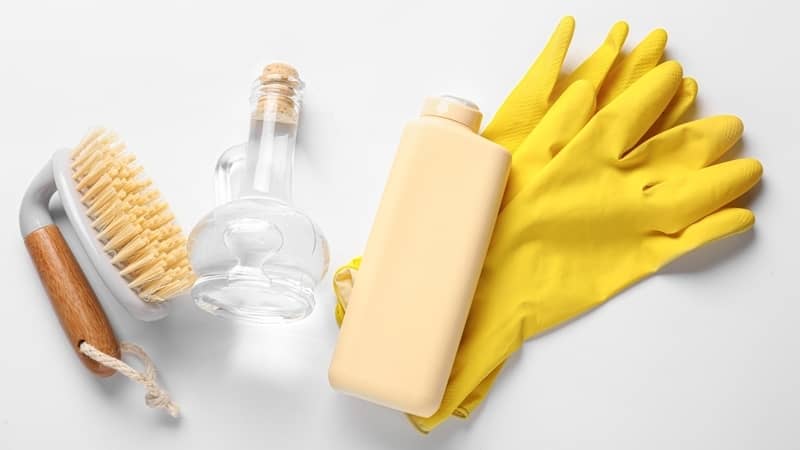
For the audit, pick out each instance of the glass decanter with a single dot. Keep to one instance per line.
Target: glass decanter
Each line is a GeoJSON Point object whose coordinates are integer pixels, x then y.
{"type": "Point", "coordinates": [257, 257]}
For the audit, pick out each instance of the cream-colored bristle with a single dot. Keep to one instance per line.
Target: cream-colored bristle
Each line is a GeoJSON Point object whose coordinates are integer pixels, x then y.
{"type": "Point", "coordinates": [120, 237]}
{"type": "Point", "coordinates": [153, 272]}
{"type": "Point", "coordinates": [101, 203]}
{"type": "Point", "coordinates": [134, 224]}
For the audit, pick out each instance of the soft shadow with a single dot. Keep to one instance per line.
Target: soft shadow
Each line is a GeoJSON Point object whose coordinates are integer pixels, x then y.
{"type": "Point", "coordinates": [387, 428]}
{"type": "Point", "coordinates": [752, 195]}
{"type": "Point", "coordinates": [711, 255]}
{"type": "Point", "coordinates": [284, 370]}
{"type": "Point", "coordinates": [189, 337]}
{"type": "Point", "coordinates": [735, 152]}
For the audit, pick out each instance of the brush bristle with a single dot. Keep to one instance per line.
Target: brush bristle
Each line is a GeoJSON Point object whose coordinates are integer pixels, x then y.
{"type": "Point", "coordinates": [134, 224]}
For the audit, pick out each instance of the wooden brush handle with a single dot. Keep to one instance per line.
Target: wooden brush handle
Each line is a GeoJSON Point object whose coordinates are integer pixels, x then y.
{"type": "Point", "coordinates": [77, 307]}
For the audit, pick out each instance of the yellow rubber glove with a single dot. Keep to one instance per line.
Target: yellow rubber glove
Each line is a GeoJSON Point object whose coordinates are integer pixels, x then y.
{"type": "Point", "coordinates": [602, 214]}
{"type": "Point", "coordinates": [543, 84]}
{"type": "Point", "coordinates": [606, 72]}
{"type": "Point", "coordinates": [533, 97]}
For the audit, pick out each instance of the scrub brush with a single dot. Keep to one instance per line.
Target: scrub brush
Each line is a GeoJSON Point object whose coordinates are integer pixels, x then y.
{"type": "Point", "coordinates": [134, 224]}
{"type": "Point", "coordinates": [131, 239]}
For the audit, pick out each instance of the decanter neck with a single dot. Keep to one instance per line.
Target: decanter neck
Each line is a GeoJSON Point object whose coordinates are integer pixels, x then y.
{"type": "Point", "coordinates": [275, 111]}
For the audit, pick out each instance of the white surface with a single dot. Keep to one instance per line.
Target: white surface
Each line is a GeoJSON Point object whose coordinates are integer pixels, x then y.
{"type": "Point", "coordinates": [704, 355]}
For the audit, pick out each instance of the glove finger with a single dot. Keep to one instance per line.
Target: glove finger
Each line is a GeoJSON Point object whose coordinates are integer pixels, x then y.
{"type": "Point", "coordinates": [684, 148]}
{"type": "Point", "coordinates": [641, 60]}
{"type": "Point", "coordinates": [681, 103]}
{"type": "Point", "coordinates": [595, 68]}
{"type": "Point", "coordinates": [719, 225]}
{"type": "Point", "coordinates": [685, 200]}
{"type": "Point", "coordinates": [559, 126]}
{"type": "Point", "coordinates": [528, 101]}
{"type": "Point", "coordinates": [620, 125]}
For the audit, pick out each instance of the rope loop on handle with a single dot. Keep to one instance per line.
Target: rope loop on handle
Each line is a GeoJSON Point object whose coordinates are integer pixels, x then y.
{"type": "Point", "coordinates": [156, 397]}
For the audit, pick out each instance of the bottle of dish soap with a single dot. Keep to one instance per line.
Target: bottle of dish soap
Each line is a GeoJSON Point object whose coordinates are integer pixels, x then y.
{"type": "Point", "coordinates": [422, 261]}
{"type": "Point", "coordinates": [257, 257]}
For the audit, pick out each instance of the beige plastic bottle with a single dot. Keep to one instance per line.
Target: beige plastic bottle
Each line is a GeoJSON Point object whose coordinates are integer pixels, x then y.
{"type": "Point", "coordinates": [423, 257]}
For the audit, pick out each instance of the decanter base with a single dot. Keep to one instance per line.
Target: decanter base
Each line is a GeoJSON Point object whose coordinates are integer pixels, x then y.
{"type": "Point", "coordinates": [264, 297]}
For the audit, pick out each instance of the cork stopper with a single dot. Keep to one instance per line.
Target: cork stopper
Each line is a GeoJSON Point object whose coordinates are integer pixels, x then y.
{"type": "Point", "coordinates": [279, 70]}
{"type": "Point", "coordinates": [277, 93]}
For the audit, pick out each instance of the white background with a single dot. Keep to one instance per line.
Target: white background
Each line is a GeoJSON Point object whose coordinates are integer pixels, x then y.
{"type": "Point", "coordinates": [704, 355]}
